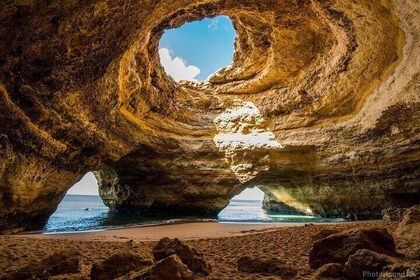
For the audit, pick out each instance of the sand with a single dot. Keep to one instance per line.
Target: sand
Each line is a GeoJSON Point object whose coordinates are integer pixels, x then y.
{"type": "Point", "coordinates": [221, 243]}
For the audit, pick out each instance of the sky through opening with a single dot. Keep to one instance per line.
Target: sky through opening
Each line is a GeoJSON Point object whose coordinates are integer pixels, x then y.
{"type": "Point", "coordinates": [196, 50]}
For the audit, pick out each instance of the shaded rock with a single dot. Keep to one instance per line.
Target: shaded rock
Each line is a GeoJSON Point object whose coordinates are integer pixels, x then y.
{"type": "Point", "coordinates": [64, 262]}
{"type": "Point", "coordinates": [118, 265]}
{"type": "Point", "coordinates": [366, 264]}
{"type": "Point", "coordinates": [172, 268]}
{"type": "Point", "coordinates": [330, 270]}
{"type": "Point", "coordinates": [408, 233]}
{"type": "Point", "coordinates": [193, 259]}
{"type": "Point", "coordinates": [271, 266]}
{"type": "Point", "coordinates": [393, 214]}
{"type": "Point", "coordinates": [338, 247]}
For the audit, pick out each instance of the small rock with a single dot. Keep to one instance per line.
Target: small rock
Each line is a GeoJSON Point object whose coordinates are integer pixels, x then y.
{"type": "Point", "coordinates": [365, 264]}
{"type": "Point", "coordinates": [118, 265]}
{"type": "Point", "coordinates": [330, 270]}
{"type": "Point", "coordinates": [189, 256]}
{"type": "Point", "coordinates": [336, 248]}
{"type": "Point", "coordinates": [271, 266]}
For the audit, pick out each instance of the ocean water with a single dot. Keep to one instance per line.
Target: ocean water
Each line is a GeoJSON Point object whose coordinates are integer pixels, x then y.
{"type": "Point", "coordinates": [87, 213]}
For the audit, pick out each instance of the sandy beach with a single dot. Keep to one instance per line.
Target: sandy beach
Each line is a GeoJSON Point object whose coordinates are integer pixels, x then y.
{"type": "Point", "coordinates": [221, 243]}
{"type": "Point", "coordinates": [185, 231]}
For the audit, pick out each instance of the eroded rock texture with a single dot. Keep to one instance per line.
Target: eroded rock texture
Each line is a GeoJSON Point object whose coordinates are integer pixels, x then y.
{"type": "Point", "coordinates": [321, 105]}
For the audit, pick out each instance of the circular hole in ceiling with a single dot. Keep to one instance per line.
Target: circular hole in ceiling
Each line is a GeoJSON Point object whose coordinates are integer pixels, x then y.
{"type": "Point", "coordinates": [196, 50]}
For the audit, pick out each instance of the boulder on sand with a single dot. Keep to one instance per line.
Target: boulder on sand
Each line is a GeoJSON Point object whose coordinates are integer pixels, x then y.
{"type": "Point", "coordinates": [366, 264]}
{"type": "Point", "coordinates": [172, 268]}
{"type": "Point", "coordinates": [337, 248]}
{"type": "Point", "coordinates": [193, 259]}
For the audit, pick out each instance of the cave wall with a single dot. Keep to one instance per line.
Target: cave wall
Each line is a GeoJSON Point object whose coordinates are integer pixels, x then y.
{"type": "Point", "coordinates": [321, 103]}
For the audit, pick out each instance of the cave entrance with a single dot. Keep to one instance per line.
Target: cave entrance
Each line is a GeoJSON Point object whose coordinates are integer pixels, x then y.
{"type": "Point", "coordinates": [81, 209]}
{"type": "Point", "coordinates": [254, 205]}
{"type": "Point", "coordinates": [196, 50]}
{"type": "Point", "coordinates": [245, 207]}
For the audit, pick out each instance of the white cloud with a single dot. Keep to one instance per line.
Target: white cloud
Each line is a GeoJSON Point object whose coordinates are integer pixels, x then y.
{"type": "Point", "coordinates": [176, 67]}
{"type": "Point", "coordinates": [213, 24]}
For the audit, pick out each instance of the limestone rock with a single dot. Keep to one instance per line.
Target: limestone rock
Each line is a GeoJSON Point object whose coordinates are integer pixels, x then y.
{"type": "Point", "coordinates": [408, 233]}
{"type": "Point", "coordinates": [280, 203]}
{"type": "Point", "coordinates": [64, 262]}
{"type": "Point", "coordinates": [193, 259]}
{"type": "Point", "coordinates": [411, 218]}
{"type": "Point", "coordinates": [320, 105]}
{"type": "Point", "coordinates": [366, 264]}
{"type": "Point", "coordinates": [118, 265]}
{"type": "Point", "coordinates": [270, 266]}
{"type": "Point", "coordinates": [338, 247]}
{"type": "Point", "coordinates": [394, 214]}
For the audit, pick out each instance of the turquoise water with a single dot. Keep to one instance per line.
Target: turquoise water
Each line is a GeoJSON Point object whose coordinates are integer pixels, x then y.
{"type": "Point", "coordinates": [71, 215]}
{"type": "Point", "coordinates": [251, 211]}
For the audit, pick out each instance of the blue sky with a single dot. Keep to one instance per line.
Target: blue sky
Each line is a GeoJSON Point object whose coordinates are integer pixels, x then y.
{"type": "Point", "coordinates": [196, 50]}
{"type": "Point", "coordinates": [191, 52]}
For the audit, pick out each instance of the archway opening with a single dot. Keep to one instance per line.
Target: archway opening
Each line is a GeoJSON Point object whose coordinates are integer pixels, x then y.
{"type": "Point", "coordinates": [81, 209]}
{"type": "Point", "coordinates": [245, 207]}
{"type": "Point", "coordinates": [196, 50]}
{"type": "Point", "coordinates": [253, 205]}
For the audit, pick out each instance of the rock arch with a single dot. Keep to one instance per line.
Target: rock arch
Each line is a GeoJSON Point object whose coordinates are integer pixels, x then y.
{"type": "Point", "coordinates": [82, 89]}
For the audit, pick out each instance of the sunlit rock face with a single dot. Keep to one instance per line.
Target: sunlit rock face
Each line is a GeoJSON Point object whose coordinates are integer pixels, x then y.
{"type": "Point", "coordinates": [277, 200]}
{"type": "Point", "coordinates": [245, 138]}
{"type": "Point", "coordinates": [330, 89]}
